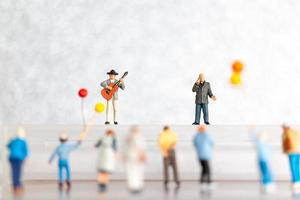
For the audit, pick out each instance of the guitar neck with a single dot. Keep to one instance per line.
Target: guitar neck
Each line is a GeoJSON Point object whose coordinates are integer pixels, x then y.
{"type": "Point", "coordinates": [117, 83]}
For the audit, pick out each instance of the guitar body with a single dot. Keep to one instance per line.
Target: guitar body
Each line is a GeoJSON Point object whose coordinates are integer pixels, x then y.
{"type": "Point", "coordinates": [108, 94]}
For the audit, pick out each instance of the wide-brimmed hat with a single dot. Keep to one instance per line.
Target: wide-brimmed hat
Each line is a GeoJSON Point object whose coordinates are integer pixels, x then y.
{"type": "Point", "coordinates": [112, 72]}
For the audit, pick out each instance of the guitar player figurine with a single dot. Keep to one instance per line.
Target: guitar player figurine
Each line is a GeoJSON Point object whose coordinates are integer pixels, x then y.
{"type": "Point", "coordinates": [110, 93]}
{"type": "Point", "coordinates": [203, 91]}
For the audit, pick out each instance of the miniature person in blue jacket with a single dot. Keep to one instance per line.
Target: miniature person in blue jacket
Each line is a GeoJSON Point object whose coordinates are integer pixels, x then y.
{"type": "Point", "coordinates": [263, 160]}
{"type": "Point", "coordinates": [204, 144]}
{"type": "Point", "coordinates": [62, 152]}
{"type": "Point", "coordinates": [18, 152]}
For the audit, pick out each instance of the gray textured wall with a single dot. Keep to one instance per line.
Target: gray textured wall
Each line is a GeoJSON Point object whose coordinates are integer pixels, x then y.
{"type": "Point", "coordinates": [49, 49]}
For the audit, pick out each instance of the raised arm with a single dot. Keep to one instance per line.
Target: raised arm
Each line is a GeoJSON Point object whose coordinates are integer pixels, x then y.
{"type": "Point", "coordinates": [75, 145]}
{"type": "Point", "coordinates": [195, 87]}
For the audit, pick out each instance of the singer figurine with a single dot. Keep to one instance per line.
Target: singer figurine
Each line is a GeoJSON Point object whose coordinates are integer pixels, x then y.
{"type": "Point", "coordinates": [203, 90]}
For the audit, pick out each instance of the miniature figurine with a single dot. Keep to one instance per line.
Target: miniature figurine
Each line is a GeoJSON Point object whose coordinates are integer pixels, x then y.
{"type": "Point", "coordinates": [167, 142]}
{"type": "Point", "coordinates": [263, 160]}
{"type": "Point", "coordinates": [18, 152]}
{"type": "Point", "coordinates": [134, 156]}
{"type": "Point", "coordinates": [110, 93]}
{"type": "Point", "coordinates": [203, 144]}
{"type": "Point", "coordinates": [203, 90]}
{"type": "Point", "coordinates": [62, 151]}
{"type": "Point", "coordinates": [291, 147]}
{"type": "Point", "coordinates": [107, 148]}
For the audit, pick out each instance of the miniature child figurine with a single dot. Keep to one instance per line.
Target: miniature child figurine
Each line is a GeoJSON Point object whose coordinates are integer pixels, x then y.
{"type": "Point", "coordinates": [167, 142]}
{"type": "Point", "coordinates": [114, 101]}
{"type": "Point", "coordinates": [203, 90]}
{"type": "Point", "coordinates": [18, 152]}
{"type": "Point", "coordinates": [134, 157]}
{"type": "Point", "coordinates": [204, 144]}
{"type": "Point", "coordinates": [263, 158]}
{"type": "Point", "coordinates": [63, 151]}
{"type": "Point", "coordinates": [107, 148]}
{"type": "Point", "coordinates": [291, 147]}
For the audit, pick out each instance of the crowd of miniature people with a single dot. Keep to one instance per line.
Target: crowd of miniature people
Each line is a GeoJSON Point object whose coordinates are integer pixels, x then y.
{"type": "Point", "coordinates": [133, 153]}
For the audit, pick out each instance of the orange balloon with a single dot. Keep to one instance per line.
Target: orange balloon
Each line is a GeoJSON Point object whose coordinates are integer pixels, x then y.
{"type": "Point", "coordinates": [237, 66]}
{"type": "Point", "coordinates": [236, 79]}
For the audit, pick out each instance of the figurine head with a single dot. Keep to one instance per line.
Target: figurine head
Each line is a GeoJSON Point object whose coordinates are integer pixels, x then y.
{"type": "Point", "coordinates": [285, 127]}
{"type": "Point", "coordinates": [166, 128]}
{"type": "Point", "coordinates": [201, 128]}
{"type": "Point", "coordinates": [112, 74]}
{"type": "Point", "coordinates": [201, 77]}
{"type": "Point", "coordinates": [134, 130]}
{"type": "Point", "coordinates": [110, 132]}
{"type": "Point", "coordinates": [262, 136]}
{"type": "Point", "coordinates": [63, 138]}
{"type": "Point", "coordinates": [21, 133]}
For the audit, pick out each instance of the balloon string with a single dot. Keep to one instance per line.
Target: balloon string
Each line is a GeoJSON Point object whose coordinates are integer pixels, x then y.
{"type": "Point", "coordinates": [88, 127]}
{"type": "Point", "coordinates": [83, 115]}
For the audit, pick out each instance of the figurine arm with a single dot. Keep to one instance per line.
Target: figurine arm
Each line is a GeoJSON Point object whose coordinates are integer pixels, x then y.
{"type": "Point", "coordinates": [122, 86]}
{"type": "Point", "coordinates": [104, 84]}
{"type": "Point", "coordinates": [163, 151]}
{"type": "Point", "coordinates": [195, 87]}
{"type": "Point", "coordinates": [8, 145]}
{"type": "Point", "coordinates": [25, 149]}
{"type": "Point", "coordinates": [53, 155]}
{"type": "Point", "coordinates": [173, 145]}
{"type": "Point", "coordinates": [114, 144]}
{"type": "Point", "coordinates": [210, 94]}
{"type": "Point", "coordinates": [194, 141]}
{"type": "Point", "coordinates": [98, 144]}
{"type": "Point", "coordinates": [75, 145]}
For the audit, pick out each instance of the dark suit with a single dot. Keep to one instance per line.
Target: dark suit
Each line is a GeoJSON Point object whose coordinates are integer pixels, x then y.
{"type": "Point", "coordinates": [203, 91]}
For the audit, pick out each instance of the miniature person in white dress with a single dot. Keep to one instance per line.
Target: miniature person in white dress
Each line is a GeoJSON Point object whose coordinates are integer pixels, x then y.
{"type": "Point", "coordinates": [107, 147]}
{"type": "Point", "coordinates": [134, 156]}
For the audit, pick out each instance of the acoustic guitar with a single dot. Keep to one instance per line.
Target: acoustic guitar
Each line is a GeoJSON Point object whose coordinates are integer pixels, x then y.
{"type": "Point", "coordinates": [108, 94]}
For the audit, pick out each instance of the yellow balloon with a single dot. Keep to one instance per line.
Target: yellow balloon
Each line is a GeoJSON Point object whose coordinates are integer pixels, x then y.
{"type": "Point", "coordinates": [99, 107]}
{"type": "Point", "coordinates": [236, 79]}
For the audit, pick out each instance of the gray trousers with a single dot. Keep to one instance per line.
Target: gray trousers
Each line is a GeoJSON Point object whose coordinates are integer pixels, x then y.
{"type": "Point", "coordinates": [170, 161]}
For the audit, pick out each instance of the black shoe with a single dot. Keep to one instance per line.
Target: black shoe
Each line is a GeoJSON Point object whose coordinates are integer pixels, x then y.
{"type": "Point", "coordinates": [116, 123]}
{"type": "Point", "coordinates": [166, 187]}
{"type": "Point", "coordinates": [60, 186]}
{"type": "Point", "coordinates": [195, 123]}
{"type": "Point", "coordinates": [106, 123]}
{"type": "Point", "coordinates": [136, 191]}
{"type": "Point", "coordinates": [177, 187]}
{"type": "Point", "coordinates": [207, 123]}
{"type": "Point", "coordinates": [102, 187]}
{"type": "Point", "coordinates": [68, 186]}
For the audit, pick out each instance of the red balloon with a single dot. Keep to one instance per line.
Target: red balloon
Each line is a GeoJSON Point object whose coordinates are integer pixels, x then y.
{"type": "Point", "coordinates": [83, 92]}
